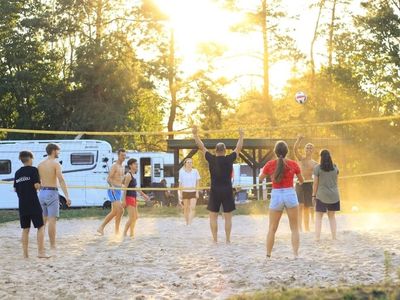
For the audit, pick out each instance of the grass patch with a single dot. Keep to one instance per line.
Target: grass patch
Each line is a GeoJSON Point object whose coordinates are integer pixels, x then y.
{"type": "Point", "coordinates": [350, 293]}
{"type": "Point", "coordinates": [254, 208]}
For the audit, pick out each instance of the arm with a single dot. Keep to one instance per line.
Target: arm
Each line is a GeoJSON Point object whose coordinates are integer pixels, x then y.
{"type": "Point", "coordinates": [111, 174]}
{"type": "Point", "coordinates": [315, 187]}
{"type": "Point", "coordinates": [127, 179]}
{"type": "Point", "coordinates": [61, 180]}
{"type": "Point", "coordinates": [180, 193]}
{"type": "Point", "coordinates": [144, 195]}
{"type": "Point", "coordinates": [239, 144]}
{"type": "Point", "coordinates": [300, 178]}
{"type": "Point", "coordinates": [37, 186]}
{"type": "Point", "coordinates": [261, 177]}
{"type": "Point", "coordinates": [296, 148]}
{"type": "Point", "coordinates": [263, 173]}
{"type": "Point", "coordinates": [198, 141]}
{"type": "Point", "coordinates": [197, 186]}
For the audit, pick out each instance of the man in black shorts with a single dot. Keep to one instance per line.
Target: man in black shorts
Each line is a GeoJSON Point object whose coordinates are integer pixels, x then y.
{"type": "Point", "coordinates": [220, 167]}
{"type": "Point", "coordinates": [26, 184]}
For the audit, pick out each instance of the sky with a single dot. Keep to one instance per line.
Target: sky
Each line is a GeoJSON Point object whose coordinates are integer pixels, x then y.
{"type": "Point", "coordinates": [202, 21]}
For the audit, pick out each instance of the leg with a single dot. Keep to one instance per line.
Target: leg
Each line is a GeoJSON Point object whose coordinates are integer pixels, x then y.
{"type": "Point", "coordinates": [332, 223]}
{"type": "Point", "coordinates": [301, 212]}
{"type": "Point", "coordinates": [228, 226]}
{"type": "Point", "coordinates": [192, 209]}
{"type": "Point", "coordinates": [108, 218]}
{"type": "Point", "coordinates": [133, 224]}
{"type": "Point", "coordinates": [312, 213]}
{"type": "Point", "coordinates": [214, 225]}
{"type": "Point", "coordinates": [52, 231]}
{"type": "Point", "coordinates": [318, 225]}
{"type": "Point", "coordinates": [306, 217]}
{"type": "Point", "coordinates": [118, 216]}
{"type": "Point", "coordinates": [293, 215]}
{"type": "Point", "coordinates": [40, 242]}
{"type": "Point", "coordinates": [186, 210]}
{"type": "Point", "coordinates": [132, 227]}
{"type": "Point", "coordinates": [274, 218]}
{"type": "Point", "coordinates": [25, 240]}
{"type": "Point", "coordinates": [130, 220]}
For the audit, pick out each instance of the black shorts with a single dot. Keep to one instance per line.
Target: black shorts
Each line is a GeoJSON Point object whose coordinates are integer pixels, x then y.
{"type": "Point", "coordinates": [304, 193]}
{"type": "Point", "coordinates": [324, 207]}
{"type": "Point", "coordinates": [221, 196]}
{"type": "Point", "coordinates": [37, 221]}
{"type": "Point", "coordinates": [188, 195]}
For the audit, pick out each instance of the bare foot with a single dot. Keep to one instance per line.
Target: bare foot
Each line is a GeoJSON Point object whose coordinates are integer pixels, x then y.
{"type": "Point", "coordinates": [228, 242]}
{"type": "Point", "coordinates": [43, 255]}
{"type": "Point", "coordinates": [100, 231]}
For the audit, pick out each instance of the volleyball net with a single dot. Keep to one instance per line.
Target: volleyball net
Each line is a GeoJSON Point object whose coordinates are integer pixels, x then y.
{"type": "Point", "coordinates": [367, 151]}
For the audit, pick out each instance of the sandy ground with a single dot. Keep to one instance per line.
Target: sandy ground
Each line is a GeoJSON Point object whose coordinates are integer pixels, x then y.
{"type": "Point", "coordinates": [168, 260]}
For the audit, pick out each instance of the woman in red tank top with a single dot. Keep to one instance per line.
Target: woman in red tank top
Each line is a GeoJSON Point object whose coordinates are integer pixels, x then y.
{"type": "Point", "coordinates": [283, 196]}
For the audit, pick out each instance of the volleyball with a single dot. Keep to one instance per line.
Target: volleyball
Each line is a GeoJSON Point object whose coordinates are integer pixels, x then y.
{"type": "Point", "coordinates": [301, 97]}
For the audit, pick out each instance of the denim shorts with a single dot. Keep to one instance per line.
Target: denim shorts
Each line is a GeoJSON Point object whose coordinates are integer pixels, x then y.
{"type": "Point", "coordinates": [281, 198]}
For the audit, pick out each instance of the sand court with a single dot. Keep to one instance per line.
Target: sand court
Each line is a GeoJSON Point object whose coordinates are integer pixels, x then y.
{"type": "Point", "coordinates": [168, 260]}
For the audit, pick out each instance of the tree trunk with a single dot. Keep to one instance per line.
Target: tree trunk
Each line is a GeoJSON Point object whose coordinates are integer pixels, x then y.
{"type": "Point", "coordinates": [172, 84]}
{"type": "Point", "coordinates": [331, 30]}
{"type": "Point", "coordinates": [312, 61]}
{"type": "Point", "coordinates": [266, 95]}
{"type": "Point", "coordinates": [99, 20]}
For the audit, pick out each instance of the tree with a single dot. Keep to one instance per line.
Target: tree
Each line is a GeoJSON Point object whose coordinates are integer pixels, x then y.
{"type": "Point", "coordinates": [276, 41]}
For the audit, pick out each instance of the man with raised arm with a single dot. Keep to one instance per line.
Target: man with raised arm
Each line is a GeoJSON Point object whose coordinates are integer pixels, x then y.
{"type": "Point", "coordinates": [221, 193]}
{"type": "Point", "coordinates": [304, 191]}
{"type": "Point", "coordinates": [115, 179]}
{"type": "Point", "coordinates": [50, 174]}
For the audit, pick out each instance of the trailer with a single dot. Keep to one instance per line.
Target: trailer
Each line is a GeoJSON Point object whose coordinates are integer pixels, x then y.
{"type": "Point", "coordinates": [84, 163]}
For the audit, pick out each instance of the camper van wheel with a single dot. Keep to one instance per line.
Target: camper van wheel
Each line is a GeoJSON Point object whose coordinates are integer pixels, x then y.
{"type": "Point", "coordinates": [107, 204]}
{"type": "Point", "coordinates": [63, 203]}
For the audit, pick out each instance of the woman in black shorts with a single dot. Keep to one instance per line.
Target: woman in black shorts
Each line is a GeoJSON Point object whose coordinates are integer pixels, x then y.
{"type": "Point", "coordinates": [189, 178]}
{"type": "Point", "coordinates": [326, 192]}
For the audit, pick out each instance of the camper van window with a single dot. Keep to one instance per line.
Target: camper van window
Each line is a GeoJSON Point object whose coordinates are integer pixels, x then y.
{"type": "Point", "coordinates": [168, 170]}
{"type": "Point", "coordinates": [246, 170]}
{"type": "Point", "coordinates": [82, 159]}
{"type": "Point", "coordinates": [157, 170]}
{"type": "Point", "coordinates": [5, 166]}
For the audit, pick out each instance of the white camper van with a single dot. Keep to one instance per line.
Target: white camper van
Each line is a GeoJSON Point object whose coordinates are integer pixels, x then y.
{"type": "Point", "coordinates": [84, 163]}
{"type": "Point", "coordinates": [243, 175]}
{"type": "Point", "coordinates": [152, 167]}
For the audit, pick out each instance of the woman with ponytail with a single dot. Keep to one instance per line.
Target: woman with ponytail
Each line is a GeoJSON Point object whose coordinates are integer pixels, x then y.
{"type": "Point", "coordinates": [282, 171]}
{"type": "Point", "coordinates": [326, 193]}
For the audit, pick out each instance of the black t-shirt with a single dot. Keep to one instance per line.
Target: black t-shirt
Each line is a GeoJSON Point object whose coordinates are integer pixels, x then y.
{"type": "Point", "coordinates": [221, 168]}
{"type": "Point", "coordinates": [24, 183]}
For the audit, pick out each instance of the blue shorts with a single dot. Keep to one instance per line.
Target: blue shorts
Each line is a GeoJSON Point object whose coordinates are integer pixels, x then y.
{"type": "Point", "coordinates": [50, 201]}
{"type": "Point", "coordinates": [114, 195]}
{"type": "Point", "coordinates": [281, 198]}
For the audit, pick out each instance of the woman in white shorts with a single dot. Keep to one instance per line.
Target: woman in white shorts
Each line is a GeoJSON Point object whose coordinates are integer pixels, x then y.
{"type": "Point", "coordinates": [282, 171]}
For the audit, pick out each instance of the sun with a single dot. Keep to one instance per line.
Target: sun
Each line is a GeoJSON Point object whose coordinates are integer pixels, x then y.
{"type": "Point", "coordinates": [196, 22]}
